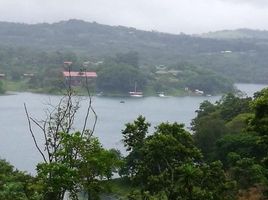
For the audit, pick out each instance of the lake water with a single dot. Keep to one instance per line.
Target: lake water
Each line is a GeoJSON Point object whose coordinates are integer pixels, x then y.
{"type": "Point", "coordinates": [16, 144]}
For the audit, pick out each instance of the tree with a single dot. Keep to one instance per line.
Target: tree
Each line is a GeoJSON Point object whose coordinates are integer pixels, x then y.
{"type": "Point", "coordinates": [119, 78]}
{"type": "Point", "coordinates": [209, 82]}
{"type": "Point", "coordinates": [260, 105]}
{"type": "Point", "coordinates": [135, 133]}
{"type": "Point", "coordinates": [84, 165]}
{"type": "Point", "coordinates": [244, 145]}
{"type": "Point", "coordinates": [163, 152]}
{"type": "Point", "coordinates": [231, 106]}
{"type": "Point", "coordinates": [71, 161]}
{"type": "Point", "coordinates": [130, 58]}
{"type": "Point", "coordinates": [170, 166]}
{"type": "Point", "coordinates": [205, 109]}
{"type": "Point", "coordinates": [248, 172]}
{"type": "Point", "coordinates": [228, 116]}
{"type": "Point", "coordinates": [56, 171]}
{"type": "Point", "coordinates": [239, 123]}
{"type": "Point", "coordinates": [133, 137]}
{"type": "Point", "coordinates": [209, 130]}
{"type": "Point", "coordinates": [17, 185]}
{"type": "Point", "coordinates": [258, 125]}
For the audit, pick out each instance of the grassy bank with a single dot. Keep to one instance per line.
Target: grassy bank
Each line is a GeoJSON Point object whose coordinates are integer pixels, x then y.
{"type": "Point", "coordinates": [23, 86]}
{"type": "Point", "coordinates": [15, 86]}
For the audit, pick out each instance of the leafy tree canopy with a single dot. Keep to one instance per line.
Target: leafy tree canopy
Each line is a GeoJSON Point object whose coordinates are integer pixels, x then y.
{"type": "Point", "coordinates": [167, 165]}
{"type": "Point", "coordinates": [17, 185]}
{"type": "Point", "coordinates": [239, 140]}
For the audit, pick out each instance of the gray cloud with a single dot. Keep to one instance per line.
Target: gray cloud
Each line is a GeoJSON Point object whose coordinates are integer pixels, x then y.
{"type": "Point", "coordinates": [175, 16]}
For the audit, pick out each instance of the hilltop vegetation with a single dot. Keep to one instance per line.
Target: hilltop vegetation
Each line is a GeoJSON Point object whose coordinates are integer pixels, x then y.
{"type": "Point", "coordinates": [238, 34]}
{"type": "Point", "coordinates": [101, 40]}
{"type": "Point", "coordinates": [35, 48]}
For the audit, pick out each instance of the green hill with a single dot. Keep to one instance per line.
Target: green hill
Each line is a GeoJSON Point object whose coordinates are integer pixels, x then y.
{"type": "Point", "coordinates": [237, 34]}
{"type": "Point", "coordinates": [241, 55]}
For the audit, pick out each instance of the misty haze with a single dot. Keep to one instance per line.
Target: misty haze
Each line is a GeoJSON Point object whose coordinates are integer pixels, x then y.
{"type": "Point", "coordinates": [125, 99]}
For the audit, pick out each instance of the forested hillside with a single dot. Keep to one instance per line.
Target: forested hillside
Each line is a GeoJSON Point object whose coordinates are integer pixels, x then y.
{"type": "Point", "coordinates": [102, 40]}
{"type": "Point", "coordinates": [162, 62]}
{"type": "Point", "coordinates": [237, 34]}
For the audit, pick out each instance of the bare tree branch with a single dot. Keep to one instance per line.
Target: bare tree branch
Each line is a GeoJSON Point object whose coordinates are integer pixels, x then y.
{"type": "Point", "coordinates": [88, 111]}
{"type": "Point", "coordinates": [43, 128]}
{"type": "Point", "coordinates": [95, 122]}
{"type": "Point", "coordinates": [32, 134]}
{"type": "Point", "coordinates": [86, 117]}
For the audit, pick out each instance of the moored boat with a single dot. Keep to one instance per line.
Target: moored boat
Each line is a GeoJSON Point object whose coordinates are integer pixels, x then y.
{"type": "Point", "coordinates": [135, 93]}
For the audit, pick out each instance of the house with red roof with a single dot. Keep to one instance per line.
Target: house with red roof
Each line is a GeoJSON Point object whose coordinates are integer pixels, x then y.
{"type": "Point", "coordinates": [76, 78]}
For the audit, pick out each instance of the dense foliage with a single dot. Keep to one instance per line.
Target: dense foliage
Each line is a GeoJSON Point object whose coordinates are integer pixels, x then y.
{"type": "Point", "coordinates": [82, 163]}
{"type": "Point", "coordinates": [120, 78]}
{"type": "Point", "coordinates": [167, 165]}
{"type": "Point", "coordinates": [16, 185]}
{"type": "Point", "coordinates": [234, 131]}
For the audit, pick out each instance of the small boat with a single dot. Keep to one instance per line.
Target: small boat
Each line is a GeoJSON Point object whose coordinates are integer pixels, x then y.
{"type": "Point", "coordinates": [161, 94]}
{"type": "Point", "coordinates": [122, 101]}
{"type": "Point", "coordinates": [99, 94]}
{"type": "Point", "coordinates": [135, 93]}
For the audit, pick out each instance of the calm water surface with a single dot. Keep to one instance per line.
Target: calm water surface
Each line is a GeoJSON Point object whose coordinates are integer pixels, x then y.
{"type": "Point", "coordinates": [16, 144]}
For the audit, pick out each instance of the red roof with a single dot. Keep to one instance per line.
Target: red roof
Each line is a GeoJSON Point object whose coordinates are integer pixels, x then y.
{"type": "Point", "coordinates": [79, 74]}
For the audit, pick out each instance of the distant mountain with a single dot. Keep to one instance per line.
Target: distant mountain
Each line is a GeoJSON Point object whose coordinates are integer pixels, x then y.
{"type": "Point", "coordinates": [242, 55]}
{"type": "Point", "coordinates": [102, 40]}
{"type": "Point", "coordinates": [237, 34]}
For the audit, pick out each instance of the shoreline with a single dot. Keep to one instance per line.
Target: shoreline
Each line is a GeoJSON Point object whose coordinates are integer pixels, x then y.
{"type": "Point", "coordinates": [181, 93]}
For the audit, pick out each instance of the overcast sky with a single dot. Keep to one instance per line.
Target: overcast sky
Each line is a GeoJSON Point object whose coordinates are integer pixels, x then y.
{"type": "Point", "coordinates": [174, 16]}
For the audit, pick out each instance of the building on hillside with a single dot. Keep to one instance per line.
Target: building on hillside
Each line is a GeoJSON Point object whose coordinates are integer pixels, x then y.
{"type": "Point", "coordinates": [2, 76]}
{"type": "Point", "coordinates": [77, 78]}
{"type": "Point", "coordinates": [198, 92]}
{"type": "Point", "coordinates": [28, 75]}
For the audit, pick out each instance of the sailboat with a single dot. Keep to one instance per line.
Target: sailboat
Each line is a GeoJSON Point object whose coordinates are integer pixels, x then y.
{"type": "Point", "coordinates": [135, 93]}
